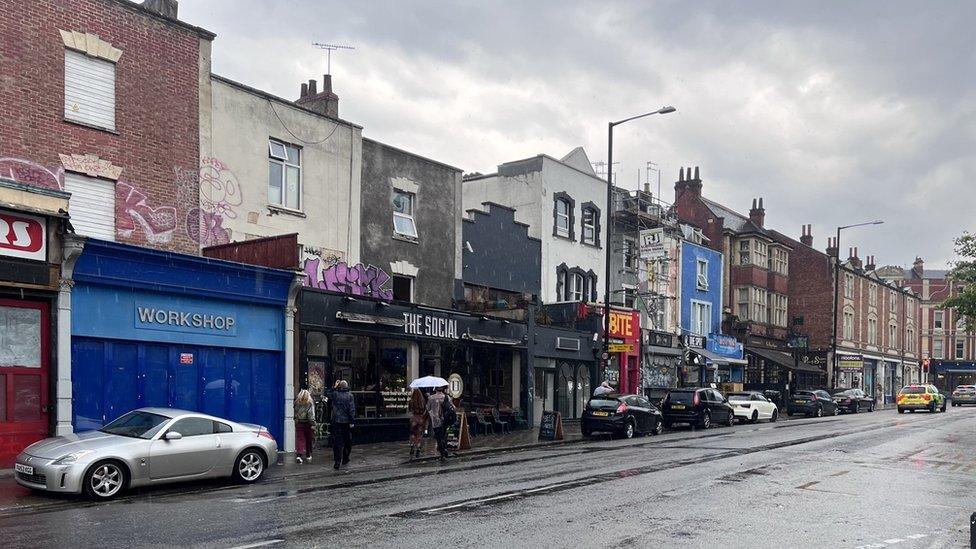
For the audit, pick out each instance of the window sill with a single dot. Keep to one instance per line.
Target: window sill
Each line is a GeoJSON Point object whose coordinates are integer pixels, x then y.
{"type": "Point", "coordinates": [90, 126]}
{"type": "Point", "coordinates": [595, 245]}
{"type": "Point", "coordinates": [406, 238]}
{"type": "Point", "coordinates": [275, 209]}
{"type": "Point", "coordinates": [564, 237]}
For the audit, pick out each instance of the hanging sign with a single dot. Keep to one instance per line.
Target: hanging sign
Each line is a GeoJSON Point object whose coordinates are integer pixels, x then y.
{"type": "Point", "coordinates": [455, 386]}
{"type": "Point", "coordinates": [652, 244]}
{"type": "Point", "coordinates": [621, 348]}
{"type": "Point", "coordinates": [186, 358]}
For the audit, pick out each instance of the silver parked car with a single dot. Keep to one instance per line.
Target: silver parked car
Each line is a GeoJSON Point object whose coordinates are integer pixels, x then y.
{"type": "Point", "coordinates": [144, 447]}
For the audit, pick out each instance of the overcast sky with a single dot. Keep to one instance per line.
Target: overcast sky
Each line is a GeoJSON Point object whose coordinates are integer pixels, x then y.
{"type": "Point", "coordinates": [835, 113]}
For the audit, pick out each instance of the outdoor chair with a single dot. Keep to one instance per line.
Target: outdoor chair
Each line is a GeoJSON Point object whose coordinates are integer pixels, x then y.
{"type": "Point", "coordinates": [498, 421]}
{"type": "Point", "coordinates": [482, 422]}
{"type": "Point", "coordinates": [520, 421]}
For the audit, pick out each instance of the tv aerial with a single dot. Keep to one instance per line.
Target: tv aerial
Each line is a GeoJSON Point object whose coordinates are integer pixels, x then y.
{"type": "Point", "coordinates": [331, 48]}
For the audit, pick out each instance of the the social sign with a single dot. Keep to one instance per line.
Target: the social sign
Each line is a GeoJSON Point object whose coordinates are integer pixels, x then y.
{"type": "Point", "coordinates": [23, 236]}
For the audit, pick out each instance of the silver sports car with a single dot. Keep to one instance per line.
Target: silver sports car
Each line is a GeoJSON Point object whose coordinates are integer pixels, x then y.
{"type": "Point", "coordinates": [147, 446]}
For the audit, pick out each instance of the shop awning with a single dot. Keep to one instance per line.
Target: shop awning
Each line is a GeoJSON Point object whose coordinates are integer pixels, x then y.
{"type": "Point", "coordinates": [785, 360]}
{"type": "Point", "coordinates": [655, 350]}
{"type": "Point", "coordinates": [718, 359]}
{"type": "Point", "coordinates": [360, 318]}
{"type": "Point", "coordinates": [489, 339]}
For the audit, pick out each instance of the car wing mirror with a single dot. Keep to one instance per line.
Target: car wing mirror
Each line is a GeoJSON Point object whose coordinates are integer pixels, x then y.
{"type": "Point", "coordinates": [172, 435]}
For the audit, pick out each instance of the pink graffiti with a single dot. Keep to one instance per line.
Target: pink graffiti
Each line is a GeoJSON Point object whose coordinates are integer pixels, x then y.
{"type": "Point", "coordinates": [356, 280]}
{"type": "Point", "coordinates": [219, 194]}
{"type": "Point", "coordinates": [30, 173]}
{"type": "Point", "coordinates": [131, 211]}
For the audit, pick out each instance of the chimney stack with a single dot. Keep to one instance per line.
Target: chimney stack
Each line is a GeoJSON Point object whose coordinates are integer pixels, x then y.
{"type": "Point", "coordinates": [854, 260]}
{"type": "Point", "coordinates": [166, 8]}
{"type": "Point", "coordinates": [687, 182]}
{"type": "Point", "coordinates": [918, 267]}
{"type": "Point", "coordinates": [757, 214]}
{"type": "Point", "coordinates": [832, 250]}
{"type": "Point", "coordinates": [870, 264]}
{"type": "Point", "coordinates": [325, 102]}
{"type": "Point", "coordinates": [806, 238]}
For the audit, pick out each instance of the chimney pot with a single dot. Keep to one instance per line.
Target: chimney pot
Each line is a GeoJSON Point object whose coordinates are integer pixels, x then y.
{"type": "Point", "coordinates": [304, 92]}
{"type": "Point", "coordinates": [327, 83]}
{"type": "Point", "coordinates": [681, 173]}
{"type": "Point", "coordinates": [696, 173]}
{"type": "Point", "coordinates": [761, 204]}
{"type": "Point", "coordinates": [312, 87]}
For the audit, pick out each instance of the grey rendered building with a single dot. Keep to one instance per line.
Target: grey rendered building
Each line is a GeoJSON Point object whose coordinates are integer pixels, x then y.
{"type": "Point", "coordinates": [411, 223]}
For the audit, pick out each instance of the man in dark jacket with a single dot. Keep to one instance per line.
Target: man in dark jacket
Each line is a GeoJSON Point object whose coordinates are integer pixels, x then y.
{"type": "Point", "coordinates": [343, 415]}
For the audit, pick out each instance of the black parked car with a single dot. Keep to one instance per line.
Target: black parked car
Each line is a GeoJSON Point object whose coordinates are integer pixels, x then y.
{"type": "Point", "coordinates": [853, 401]}
{"type": "Point", "coordinates": [622, 415]}
{"type": "Point", "coordinates": [657, 395]}
{"type": "Point", "coordinates": [699, 406]}
{"type": "Point", "coordinates": [812, 404]}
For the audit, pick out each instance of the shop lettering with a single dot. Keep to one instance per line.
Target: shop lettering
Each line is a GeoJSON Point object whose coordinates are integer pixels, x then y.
{"type": "Point", "coordinates": [21, 236]}
{"type": "Point", "coordinates": [423, 325]}
{"type": "Point", "coordinates": [185, 319]}
{"type": "Point", "coordinates": [621, 325]}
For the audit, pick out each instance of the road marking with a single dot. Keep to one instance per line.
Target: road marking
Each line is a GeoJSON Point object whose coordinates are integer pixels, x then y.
{"type": "Point", "coordinates": [807, 485]}
{"type": "Point", "coordinates": [258, 544]}
{"type": "Point", "coordinates": [839, 473]}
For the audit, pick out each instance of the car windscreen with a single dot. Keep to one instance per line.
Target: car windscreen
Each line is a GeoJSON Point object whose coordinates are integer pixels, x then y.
{"type": "Point", "coordinates": [136, 425]}
{"type": "Point", "coordinates": [686, 397]}
{"type": "Point", "coordinates": [740, 397]}
{"type": "Point", "coordinates": [965, 390]}
{"type": "Point", "coordinates": [846, 393]}
{"type": "Point", "coordinates": [604, 403]}
{"type": "Point", "coordinates": [912, 390]}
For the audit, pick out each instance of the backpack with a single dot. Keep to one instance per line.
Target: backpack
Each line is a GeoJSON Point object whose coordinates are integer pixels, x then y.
{"type": "Point", "coordinates": [448, 413]}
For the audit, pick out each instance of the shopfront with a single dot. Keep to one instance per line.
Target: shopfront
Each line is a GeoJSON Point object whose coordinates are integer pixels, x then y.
{"type": "Point", "coordinates": [948, 374]}
{"type": "Point", "coordinates": [564, 365]}
{"type": "Point", "coordinates": [29, 257]}
{"type": "Point", "coordinates": [622, 370]}
{"type": "Point", "coordinates": [661, 365]}
{"type": "Point", "coordinates": [380, 347]}
{"type": "Point", "coordinates": [153, 328]}
{"type": "Point", "coordinates": [852, 372]}
{"type": "Point", "coordinates": [729, 358]}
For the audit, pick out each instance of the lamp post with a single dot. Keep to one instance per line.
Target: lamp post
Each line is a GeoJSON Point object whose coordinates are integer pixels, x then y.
{"type": "Point", "coordinates": [833, 338]}
{"type": "Point", "coordinates": [609, 233]}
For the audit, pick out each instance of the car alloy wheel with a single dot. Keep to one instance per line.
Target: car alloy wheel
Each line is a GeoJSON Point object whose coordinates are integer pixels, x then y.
{"type": "Point", "coordinates": [105, 480]}
{"type": "Point", "coordinates": [706, 420]}
{"type": "Point", "coordinates": [731, 420]}
{"type": "Point", "coordinates": [629, 430]}
{"type": "Point", "coordinates": [658, 428]}
{"type": "Point", "coordinates": [819, 411]}
{"type": "Point", "coordinates": [250, 466]}
{"type": "Point", "coordinates": [836, 410]}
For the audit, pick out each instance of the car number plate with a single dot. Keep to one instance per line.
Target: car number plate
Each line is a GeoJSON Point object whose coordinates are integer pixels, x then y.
{"type": "Point", "coordinates": [601, 413]}
{"type": "Point", "coordinates": [800, 401]}
{"type": "Point", "coordinates": [677, 406]}
{"type": "Point", "coordinates": [26, 469]}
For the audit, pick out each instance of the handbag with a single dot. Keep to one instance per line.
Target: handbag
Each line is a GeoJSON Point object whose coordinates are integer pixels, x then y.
{"type": "Point", "coordinates": [449, 414]}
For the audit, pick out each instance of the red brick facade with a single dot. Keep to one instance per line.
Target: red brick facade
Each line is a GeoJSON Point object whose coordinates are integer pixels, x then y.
{"type": "Point", "coordinates": [156, 138]}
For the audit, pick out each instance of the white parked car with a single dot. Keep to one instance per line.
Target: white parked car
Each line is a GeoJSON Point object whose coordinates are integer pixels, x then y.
{"type": "Point", "coordinates": [752, 406]}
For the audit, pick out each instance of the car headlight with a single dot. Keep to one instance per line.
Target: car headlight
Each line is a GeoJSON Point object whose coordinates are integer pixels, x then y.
{"type": "Point", "coordinates": [72, 457]}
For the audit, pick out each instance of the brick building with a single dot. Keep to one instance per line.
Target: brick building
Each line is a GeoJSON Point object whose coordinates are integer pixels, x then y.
{"type": "Point", "coordinates": [102, 99]}
{"type": "Point", "coordinates": [877, 324]}
{"type": "Point", "coordinates": [944, 338]}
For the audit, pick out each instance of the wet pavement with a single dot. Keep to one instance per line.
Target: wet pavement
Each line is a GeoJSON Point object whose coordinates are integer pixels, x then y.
{"type": "Point", "coordinates": [869, 480]}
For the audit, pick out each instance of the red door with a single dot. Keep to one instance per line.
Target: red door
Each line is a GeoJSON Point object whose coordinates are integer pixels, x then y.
{"type": "Point", "coordinates": [24, 368]}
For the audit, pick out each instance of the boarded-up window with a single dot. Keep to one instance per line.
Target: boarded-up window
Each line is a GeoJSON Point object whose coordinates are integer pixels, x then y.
{"type": "Point", "coordinates": [89, 90]}
{"type": "Point", "coordinates": [92, 205]}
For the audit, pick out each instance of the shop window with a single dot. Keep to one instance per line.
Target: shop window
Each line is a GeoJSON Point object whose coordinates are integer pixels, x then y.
{"type": "Point", "coordinates": [316, 344]}
{"type": "Point", "coordinates": [284, 174]}
{"type": "Point", "coordinates": [403, 214]}
{"type": "Point", "coordinates": [430, 359]}
{"type": "Point", "coordinates": [402, 288]}
{"type": "Point", "coordinates": [394, 395]}
{"type": "Point", "coordinates": [20, 337]}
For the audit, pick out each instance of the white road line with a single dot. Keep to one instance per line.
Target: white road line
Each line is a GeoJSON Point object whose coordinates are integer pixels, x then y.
{"type": "Point", "coordinates": [259, 544]}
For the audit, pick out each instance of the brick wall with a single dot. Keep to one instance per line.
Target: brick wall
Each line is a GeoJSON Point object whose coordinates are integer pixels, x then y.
{"type": "Point", "coordinates": [156, 142]}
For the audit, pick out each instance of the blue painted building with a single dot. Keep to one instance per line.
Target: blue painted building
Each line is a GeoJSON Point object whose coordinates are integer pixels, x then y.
{"type": "Point", "coordinates": [155, 328]}
{"type": "Point", "coordinates": [714, 358]}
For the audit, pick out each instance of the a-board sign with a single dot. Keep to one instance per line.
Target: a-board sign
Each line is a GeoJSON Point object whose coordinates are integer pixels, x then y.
{"type": "Point", "coordinates": [551, 426]}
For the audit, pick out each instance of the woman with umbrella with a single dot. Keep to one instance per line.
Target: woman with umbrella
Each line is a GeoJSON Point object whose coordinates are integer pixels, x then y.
{"type": "Point", "coordinates": [436, 406]}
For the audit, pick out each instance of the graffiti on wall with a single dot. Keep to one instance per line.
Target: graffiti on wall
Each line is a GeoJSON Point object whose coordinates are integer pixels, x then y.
{"type": "Point", "coordinates": [219, 196]}
{"type": "Point", "coordinates": [326, 270]}
{"type": "Point", "coordinates": [31, 173]}
{"type": "Point", "coordinates": [132, 211]}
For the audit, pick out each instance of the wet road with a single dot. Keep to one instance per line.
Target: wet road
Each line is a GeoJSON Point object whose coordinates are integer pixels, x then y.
{"type": "Point", "coordinates": [868, 480]}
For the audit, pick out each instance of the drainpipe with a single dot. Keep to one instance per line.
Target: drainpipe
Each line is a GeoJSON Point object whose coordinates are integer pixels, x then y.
{"type": "Point", "coordinates": [290, 310]}
{"type": "Point", "coordinates": [71, 247]}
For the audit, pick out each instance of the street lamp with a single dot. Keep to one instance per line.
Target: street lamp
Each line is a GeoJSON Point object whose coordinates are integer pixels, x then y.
{"type": "Point", "coordinates": [609, 235]}
{"type": "Point", "coordinates": [833, 338]}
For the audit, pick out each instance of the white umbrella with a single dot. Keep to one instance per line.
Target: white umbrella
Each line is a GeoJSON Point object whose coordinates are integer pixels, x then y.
{"type": "Point", "coordinates": [427, 382]}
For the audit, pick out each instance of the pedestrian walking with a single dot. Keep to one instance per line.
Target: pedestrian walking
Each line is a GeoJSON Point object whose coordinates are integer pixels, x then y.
{"type": "Point", "coordinates": [304, 426]}
{"type": "Point", "coordinates": [418, 421]}
{"type": "Point", "coordinates": [343, 416]}
{"type": "Point", "coordinates": [439, 407]}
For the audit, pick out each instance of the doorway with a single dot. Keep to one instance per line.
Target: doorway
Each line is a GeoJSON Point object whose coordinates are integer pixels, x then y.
{"type": "Point", "coordinates": [24, 371]}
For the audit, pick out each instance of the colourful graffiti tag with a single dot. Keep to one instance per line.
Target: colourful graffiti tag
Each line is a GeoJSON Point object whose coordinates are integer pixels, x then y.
{"type": "Point", "coordinates": [219, 196]}
{"type": "Point", "coordinates": [356, 280]}
{"type": "Point", "coordinates": [132, 210]}
{"type": "Point", "coordinates": [30, 173]}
